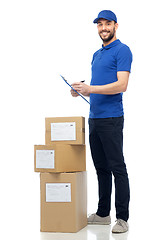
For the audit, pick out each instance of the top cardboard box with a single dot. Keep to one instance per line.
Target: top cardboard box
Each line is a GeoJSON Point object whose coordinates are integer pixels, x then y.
{"type": "Point", "coordinates": [68, 130]}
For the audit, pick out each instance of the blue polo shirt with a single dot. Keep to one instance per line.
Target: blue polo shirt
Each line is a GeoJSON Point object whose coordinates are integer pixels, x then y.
{"type": "Point", "coordinates": [106, 62]}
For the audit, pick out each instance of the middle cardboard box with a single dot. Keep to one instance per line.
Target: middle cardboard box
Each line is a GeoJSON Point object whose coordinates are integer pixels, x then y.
{"type": "Point", "coordinates": [58, 158]}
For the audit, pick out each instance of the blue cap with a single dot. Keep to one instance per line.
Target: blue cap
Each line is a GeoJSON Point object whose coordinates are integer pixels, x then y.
{"type": "Point", "coordinates": [106, 14]}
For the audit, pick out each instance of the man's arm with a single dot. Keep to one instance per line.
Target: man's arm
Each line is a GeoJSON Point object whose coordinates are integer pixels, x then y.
{"type": "Point", "coordinates": [108, 89]}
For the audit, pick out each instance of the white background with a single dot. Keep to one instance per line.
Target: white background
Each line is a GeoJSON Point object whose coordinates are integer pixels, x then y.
{"type": "Point", "coordinates": [40, 40]}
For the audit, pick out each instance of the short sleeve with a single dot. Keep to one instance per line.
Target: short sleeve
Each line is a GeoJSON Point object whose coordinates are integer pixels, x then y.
{"type": "Point", "coordinates": [124, 59]}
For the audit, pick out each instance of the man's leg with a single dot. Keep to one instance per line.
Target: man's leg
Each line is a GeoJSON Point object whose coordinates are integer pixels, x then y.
{"type": "Point", "coordinates": [103, 172]}
{"type": "Point", "coordinates": [111, 135]}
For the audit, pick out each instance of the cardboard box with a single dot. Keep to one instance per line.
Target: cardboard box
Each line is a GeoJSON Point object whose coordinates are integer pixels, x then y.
{"type": "Point", "coordinates": [63, 201]}
{"type": "Point", "coordinates": [59, 158]}
{"type": "Point", "coordinates": [69, 130]}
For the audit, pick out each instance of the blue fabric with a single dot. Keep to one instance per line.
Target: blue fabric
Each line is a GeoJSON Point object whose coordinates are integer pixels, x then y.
{"type": "Point", "coordinates": [106, 62]}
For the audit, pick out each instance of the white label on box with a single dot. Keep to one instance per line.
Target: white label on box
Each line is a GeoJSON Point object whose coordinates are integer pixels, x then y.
{"type": "Point", "coordinates": [58, 192]}
{"type": "Point", "coordinates": [45, 158]}
{"type": "Point", "coordinates": [63, 131]}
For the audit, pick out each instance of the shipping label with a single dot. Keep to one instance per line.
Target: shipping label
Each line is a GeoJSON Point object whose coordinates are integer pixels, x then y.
{"type": "Point", "coordinates": [58, 192]}
{"type": "Point", "coordinates": [45, 159]}
{"type": "Point", "coordinates": [63, 131]}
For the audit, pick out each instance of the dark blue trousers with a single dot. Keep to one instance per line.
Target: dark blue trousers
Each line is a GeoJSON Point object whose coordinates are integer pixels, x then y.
{"type": "Point", "coordinates": [106, 143]}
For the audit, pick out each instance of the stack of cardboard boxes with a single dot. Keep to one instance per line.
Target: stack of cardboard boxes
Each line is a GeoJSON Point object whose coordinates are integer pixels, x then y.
{"type": "Point", "coordinates": [62, 166]}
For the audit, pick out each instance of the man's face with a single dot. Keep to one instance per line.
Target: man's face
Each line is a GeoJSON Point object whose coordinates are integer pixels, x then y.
{"type": "Point", "coordinates": [106, 29]}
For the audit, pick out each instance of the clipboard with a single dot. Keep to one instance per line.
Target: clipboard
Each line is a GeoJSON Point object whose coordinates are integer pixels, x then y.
{"type": "Point", "coordinates": [74, 89]}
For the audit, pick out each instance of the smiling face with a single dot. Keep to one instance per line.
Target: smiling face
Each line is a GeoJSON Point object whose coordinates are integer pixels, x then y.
{"type": "Point", "coordinates": [107, 30]}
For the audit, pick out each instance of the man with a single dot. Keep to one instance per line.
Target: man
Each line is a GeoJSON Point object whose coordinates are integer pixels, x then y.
{"type": "Point", "coordinates": [111, 67]}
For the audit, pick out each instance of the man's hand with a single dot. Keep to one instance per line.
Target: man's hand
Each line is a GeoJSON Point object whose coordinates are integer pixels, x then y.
{"type": "Point", "coordinates": [73, 93]}
{"type": "Point", "coordinates": [81, 88]}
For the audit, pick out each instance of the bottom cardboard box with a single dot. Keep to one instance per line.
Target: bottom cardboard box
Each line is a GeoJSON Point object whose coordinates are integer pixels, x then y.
{"type": "Point", "coordinates": [63, 201]}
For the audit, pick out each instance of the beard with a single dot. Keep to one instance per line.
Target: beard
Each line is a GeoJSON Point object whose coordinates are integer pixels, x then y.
{"type": "Point", "coordinates": [109, 36]}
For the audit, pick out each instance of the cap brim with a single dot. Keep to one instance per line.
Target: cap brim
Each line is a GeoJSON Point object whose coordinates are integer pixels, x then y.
{"type": "Point", "coordinates": [96, 20]}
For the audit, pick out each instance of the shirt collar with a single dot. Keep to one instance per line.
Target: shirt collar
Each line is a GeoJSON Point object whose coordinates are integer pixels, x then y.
{"type": "Point", "coordinates": [112, 44]}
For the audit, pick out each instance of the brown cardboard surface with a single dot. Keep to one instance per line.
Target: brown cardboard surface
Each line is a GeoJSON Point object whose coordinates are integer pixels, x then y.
{"type": "Point", "coordinates": [64, 216]}
{"type": "Point", "coordinates": [80, 129]}
{"type": "Point", "coordinates": [68, 158]}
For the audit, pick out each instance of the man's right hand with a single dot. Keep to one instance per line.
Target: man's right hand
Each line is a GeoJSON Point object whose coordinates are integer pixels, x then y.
{"type": "Point", "coordinates": [73, 93]}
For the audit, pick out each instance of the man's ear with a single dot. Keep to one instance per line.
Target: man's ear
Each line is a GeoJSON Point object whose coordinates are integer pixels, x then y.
{"type": "Point", "coordinates": [116, 26]}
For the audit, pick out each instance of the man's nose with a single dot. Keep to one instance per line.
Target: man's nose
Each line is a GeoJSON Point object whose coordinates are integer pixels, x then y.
{"type": "Point", "coordinates": [103, 27]}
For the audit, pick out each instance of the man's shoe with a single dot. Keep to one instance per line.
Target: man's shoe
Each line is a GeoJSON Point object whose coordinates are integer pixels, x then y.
{"type": "Point", "coordinates": [120, 227]}
{"type": "Point", "coordinates": [95, 219]}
